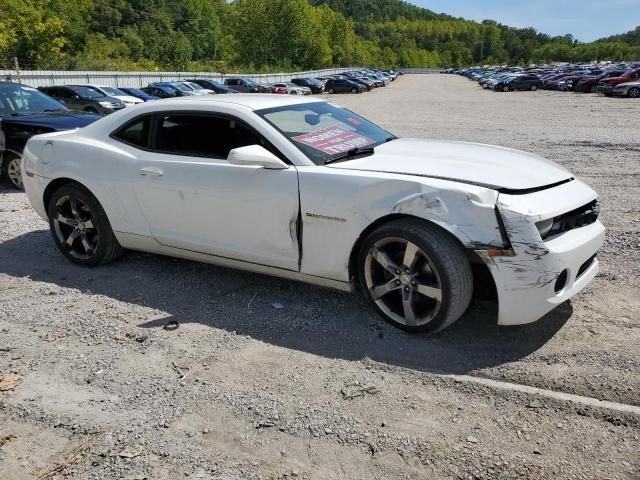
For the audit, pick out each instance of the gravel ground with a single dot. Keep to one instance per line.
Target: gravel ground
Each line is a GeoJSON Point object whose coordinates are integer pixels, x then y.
{"type": "Point", "coordinates": [321, 388]}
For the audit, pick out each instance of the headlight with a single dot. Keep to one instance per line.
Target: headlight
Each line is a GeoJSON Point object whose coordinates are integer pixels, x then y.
{"type": "Point", "coordinates": [544, 227]}
{"type": "Point", "coordinates": [105, 104]}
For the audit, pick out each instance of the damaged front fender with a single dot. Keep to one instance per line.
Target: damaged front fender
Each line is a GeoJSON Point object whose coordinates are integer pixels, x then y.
{"type": "Point", "coordinates": [469, 216]}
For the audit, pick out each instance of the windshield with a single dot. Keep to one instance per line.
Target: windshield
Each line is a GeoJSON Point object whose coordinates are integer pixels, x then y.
{"type": "Point", "coordinates": [172, 86]}
{"type": "Point", "coordinates": [323, 131]}
{"type": "Point", "coordinates": [114, 92]}
{"type": "Point", "coordinates": [23, 100]}
{"type": "Point", "coordinates": [86, 92]}
{"type": "Point", "coordinates": [136, 92]}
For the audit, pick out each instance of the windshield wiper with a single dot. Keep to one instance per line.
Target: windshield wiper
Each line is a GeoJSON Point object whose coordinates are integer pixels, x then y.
{"type": "Point", "coordinates": [352, 152]}
{"type": "Point", "coordinates": [54, 110]}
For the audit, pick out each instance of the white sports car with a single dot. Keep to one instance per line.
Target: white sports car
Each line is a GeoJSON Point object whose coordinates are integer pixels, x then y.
{"type": "Point", "coordinates": [306, 190]}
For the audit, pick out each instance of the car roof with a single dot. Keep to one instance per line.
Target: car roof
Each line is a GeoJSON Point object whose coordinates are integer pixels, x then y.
{"type": "Point", "coordinates": [252, 101]}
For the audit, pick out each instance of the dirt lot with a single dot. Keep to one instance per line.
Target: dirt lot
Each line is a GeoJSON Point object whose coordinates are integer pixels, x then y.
{"type": "Point", "coordinates": [321, 388]}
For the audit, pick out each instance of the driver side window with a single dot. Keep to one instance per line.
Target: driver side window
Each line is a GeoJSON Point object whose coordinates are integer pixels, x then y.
{"type": "Point", "coordinates": [202, 135]}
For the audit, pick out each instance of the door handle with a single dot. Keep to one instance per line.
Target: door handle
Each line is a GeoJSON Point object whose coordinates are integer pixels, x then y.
{"type": "Point", "coordinates": [151, 172]}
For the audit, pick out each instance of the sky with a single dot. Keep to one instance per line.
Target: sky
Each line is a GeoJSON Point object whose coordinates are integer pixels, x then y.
{"type": "Point", "coordinates": [586, 20]}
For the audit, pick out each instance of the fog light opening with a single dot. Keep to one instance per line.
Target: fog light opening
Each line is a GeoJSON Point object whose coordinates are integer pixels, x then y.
{"type": "Point", "coordinates": [561, 282]}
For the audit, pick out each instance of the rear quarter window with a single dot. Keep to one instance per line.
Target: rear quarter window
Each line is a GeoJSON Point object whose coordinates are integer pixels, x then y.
{"type": "Point", "coordinates": [135, 133]}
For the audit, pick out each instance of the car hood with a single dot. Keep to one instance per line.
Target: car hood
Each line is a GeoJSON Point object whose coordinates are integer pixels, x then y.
{"type": "Point", "coordinates": [486, 165]}
{"type": "Point", "coordinates": [56, 121]}
{"type": "Point", "coordinates": [618, 80]}
{"type": "Point", "coordinates": [627, 84]}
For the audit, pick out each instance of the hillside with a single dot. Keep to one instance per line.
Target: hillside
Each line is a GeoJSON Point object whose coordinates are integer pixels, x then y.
{"type": "Point", "coordinates": [379, 10]}
{"type": "Point", "coordinates": [263, 35]}
{"type": "Point", "coordinates": [632, 37]}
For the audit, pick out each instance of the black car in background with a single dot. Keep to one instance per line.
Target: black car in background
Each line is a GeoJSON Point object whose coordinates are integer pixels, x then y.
{"type": "Point", "coordinates": [134, 92]}
{"type": "Point", "coordinates": [314, 84]}
{"type": "Point", "coordinates": [84, 99]}
{"type": "Point", "coordinates": [217, 87]}
{"type": "Point", "coordinates": [342, 85]}
{"type": "Point", "coordinates": [24, 112]}
{"type": "Point", "coordinates": [522, 82]}
{"type": "Point", "coordinates": [161, 92]}
{"type": "Point", "coordinates": [246, 85]}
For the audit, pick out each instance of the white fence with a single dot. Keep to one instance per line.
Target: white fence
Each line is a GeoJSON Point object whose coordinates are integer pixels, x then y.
{"type": "Point", "coordinates": [41, 78]}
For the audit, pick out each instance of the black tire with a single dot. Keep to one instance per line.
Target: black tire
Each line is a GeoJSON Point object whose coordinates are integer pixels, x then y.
{"type": "Point", "coordinates": [444, 257]}
{"type": "Point", "coordinates": [593, 89]}
{"type": "Point", "coordinates": [107, 248]}
{"type": "Point", "coordinates": [634, 92]}
{"type": "Point", "coordinates": [12, 170]}
{"type": "Point", "coordinates": [91, 110]}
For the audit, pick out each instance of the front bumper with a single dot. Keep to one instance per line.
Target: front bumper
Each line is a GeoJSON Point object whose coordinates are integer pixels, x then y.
{"type": "Point", "coordinates": [527, 282]}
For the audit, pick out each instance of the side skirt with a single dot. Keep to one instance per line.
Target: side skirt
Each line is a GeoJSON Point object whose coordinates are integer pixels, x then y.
{"type": "Point", "coordinates": [150, 245]}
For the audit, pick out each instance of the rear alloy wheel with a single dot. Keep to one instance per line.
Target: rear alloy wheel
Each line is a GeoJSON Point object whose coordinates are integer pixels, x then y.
{"type": "Point", "coordinates": [415, 275]}
{"type": "Point", "coordinates": [534, 88]}
{"type": "Point", "coordinates": [14, 171]}
{"type": "Point", "coordinates": [354, 90]}
{"type": "Point", "coordinates": [80, 227]}
{"type": "Point", "coordinates": [506, 88]}
{"type": "Point", "coordinates": [593, 89]}
{"type": "Point", "coordinates": [634, 92]}
{"type": "Point", "coordinates": [332, 91]}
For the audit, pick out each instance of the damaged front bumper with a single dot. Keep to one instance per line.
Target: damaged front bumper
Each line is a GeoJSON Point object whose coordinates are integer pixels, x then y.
{"type": "Point", "coordinates": [536, 275]}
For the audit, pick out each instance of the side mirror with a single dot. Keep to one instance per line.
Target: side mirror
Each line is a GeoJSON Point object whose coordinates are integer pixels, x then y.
{"type": "Point", "coordinates": [75, 97]}
{"type": "Point", "coordinates": [256, 156]}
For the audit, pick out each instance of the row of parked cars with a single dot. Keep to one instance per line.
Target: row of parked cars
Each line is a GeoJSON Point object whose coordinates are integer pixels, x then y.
{"type": "Point", "coordinates": [612, 80]}
{"type": "Point", "coordinates": [102, 99]}
{"type": "Point", "coordinates": [26, 111]}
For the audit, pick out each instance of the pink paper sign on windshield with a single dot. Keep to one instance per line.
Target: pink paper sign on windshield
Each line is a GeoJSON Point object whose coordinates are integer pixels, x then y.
{"type": "Point", "coordinates": [333, 140]}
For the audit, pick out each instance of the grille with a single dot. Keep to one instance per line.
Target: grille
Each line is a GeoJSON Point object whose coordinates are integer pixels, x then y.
{"type": "Point", "coordinates": [580, 217]}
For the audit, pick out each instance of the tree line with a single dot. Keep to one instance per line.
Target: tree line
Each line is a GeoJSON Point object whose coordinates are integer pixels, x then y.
{"type": "Point", "coordinates": [267, 35]}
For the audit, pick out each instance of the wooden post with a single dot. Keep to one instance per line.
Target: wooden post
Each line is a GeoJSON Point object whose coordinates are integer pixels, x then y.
{"type": "Point", "coordinates": [17, 67]}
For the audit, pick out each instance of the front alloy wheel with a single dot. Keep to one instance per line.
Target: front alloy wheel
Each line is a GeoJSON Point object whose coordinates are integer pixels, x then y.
{"type": "Point", "coordinates": [416, 276]}
{"type": "Point", "coordinates": [14, 171]}
{"type": "Point", "coordinates": [634, 92]}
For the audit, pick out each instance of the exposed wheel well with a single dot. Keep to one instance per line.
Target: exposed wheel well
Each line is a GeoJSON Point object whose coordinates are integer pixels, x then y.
{"type": "Point", "coordinates": [55, 185]}
{"type": "Point", "coordinates": [353, 258]}
{"type": "Point", "coordinates": [484, 285]}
